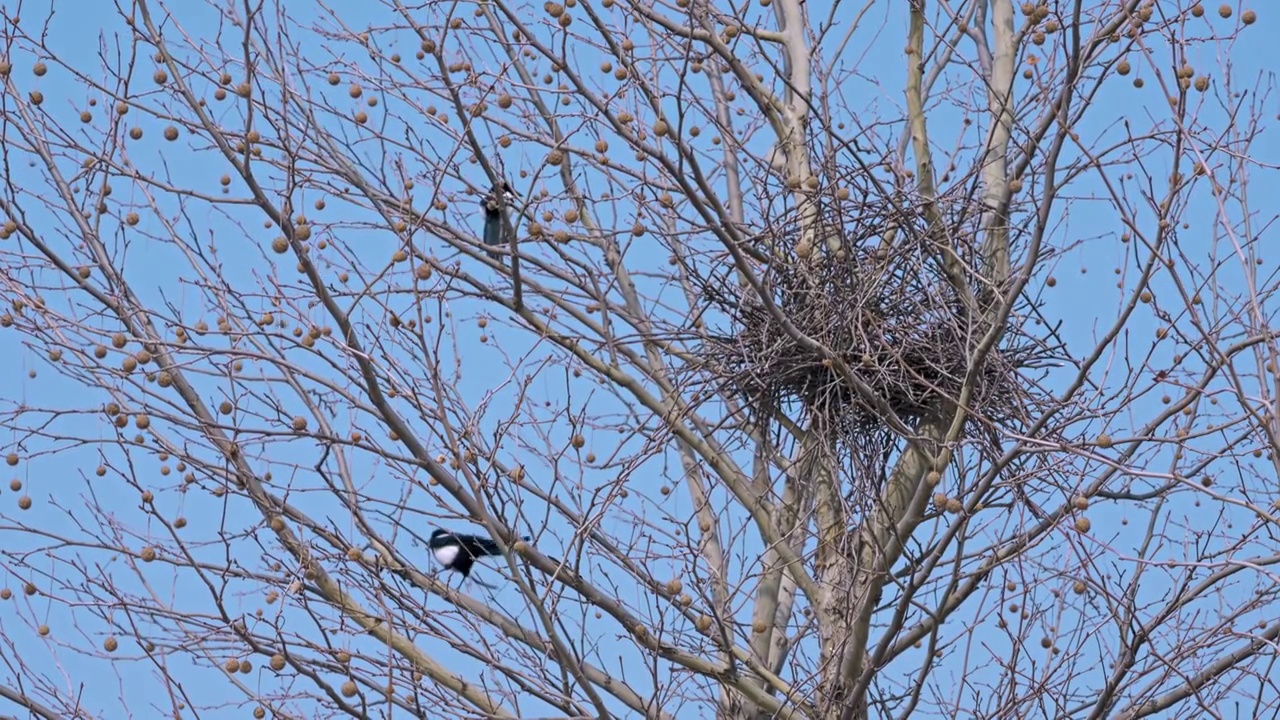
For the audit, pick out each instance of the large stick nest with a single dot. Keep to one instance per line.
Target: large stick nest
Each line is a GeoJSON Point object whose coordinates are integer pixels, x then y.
{"type": "Point", "coordinates": [885, 309]}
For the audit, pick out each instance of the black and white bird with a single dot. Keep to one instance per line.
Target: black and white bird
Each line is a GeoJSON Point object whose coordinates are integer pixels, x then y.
{"type": "Point", "coordinates": [458, 552]}
{"type": "Point", "coordinates": [495, 222]}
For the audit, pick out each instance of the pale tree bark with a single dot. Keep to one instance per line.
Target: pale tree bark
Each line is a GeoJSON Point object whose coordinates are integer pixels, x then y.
{"type": "Point", "coordinates": [839, 361]}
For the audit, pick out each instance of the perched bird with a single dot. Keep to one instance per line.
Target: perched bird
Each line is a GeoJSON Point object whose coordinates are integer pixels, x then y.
{"type": "Point", "coordinates": [458, 552]}
{"type": "Point", "coordinates": [495, 222]}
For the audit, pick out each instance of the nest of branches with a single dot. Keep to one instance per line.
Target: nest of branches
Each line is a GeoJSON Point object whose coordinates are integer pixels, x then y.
{"type": "Point", "coordinates": [867, 323]}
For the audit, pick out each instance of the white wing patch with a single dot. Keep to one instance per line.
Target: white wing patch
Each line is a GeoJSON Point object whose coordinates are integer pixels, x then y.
{"type": "Point", "coordinates": [447, 554]}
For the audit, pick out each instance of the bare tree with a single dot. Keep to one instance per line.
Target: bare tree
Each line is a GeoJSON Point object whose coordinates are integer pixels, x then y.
{"type": "Point", "coordinates": [797, 355]}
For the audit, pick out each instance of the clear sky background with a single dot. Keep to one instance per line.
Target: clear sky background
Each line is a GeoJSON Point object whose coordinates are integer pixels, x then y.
{"type": "Point", "coordinates": [1083, 289]}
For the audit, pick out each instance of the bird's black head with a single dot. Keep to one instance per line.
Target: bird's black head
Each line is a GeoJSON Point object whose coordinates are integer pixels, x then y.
{"type": "Point", "coordinates": [437, 533]}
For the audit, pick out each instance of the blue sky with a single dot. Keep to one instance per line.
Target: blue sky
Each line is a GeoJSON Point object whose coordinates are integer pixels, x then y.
{"type": "Point", "coordinates": [485, 359]}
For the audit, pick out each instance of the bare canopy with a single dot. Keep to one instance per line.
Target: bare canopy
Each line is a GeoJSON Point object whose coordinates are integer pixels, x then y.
{"type": "Point", "coordinates": [797, 359]}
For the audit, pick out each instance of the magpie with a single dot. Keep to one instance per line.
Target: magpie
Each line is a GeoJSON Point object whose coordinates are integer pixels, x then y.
{"type": "Point", "coordinates": [458, 552]}
{"type": "Point", "coordinates": [495, 222]}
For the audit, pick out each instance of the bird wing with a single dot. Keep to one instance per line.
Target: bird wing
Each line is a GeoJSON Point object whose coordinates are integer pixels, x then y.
{"type": "Point", "coordinates": [479, 547]}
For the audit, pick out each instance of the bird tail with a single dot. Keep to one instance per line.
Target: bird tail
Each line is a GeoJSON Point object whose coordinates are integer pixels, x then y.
{"type": "Point", "coordinates": [493, 232]}
{"type": "Point", "coordinates": [490, 547]}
